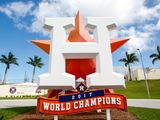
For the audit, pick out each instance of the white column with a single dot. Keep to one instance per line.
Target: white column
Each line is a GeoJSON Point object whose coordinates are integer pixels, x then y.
{"type": "Point", "coordinates": [55, 117]}
{"type": "Point", "coordinates": [99, 110]}
{"type": "Point", "coordinates": [108, 114]}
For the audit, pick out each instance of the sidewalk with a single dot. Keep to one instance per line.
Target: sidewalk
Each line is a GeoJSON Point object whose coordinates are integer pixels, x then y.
{"type": "Point", "coordinates": [146, 103]}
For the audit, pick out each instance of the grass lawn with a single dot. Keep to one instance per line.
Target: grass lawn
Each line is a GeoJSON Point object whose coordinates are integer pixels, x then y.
{"type": "Point", "coordinates": [137, 89]}
{"type": "Point", "coordinates": [11, 112]}
{"type": "Point", "coordinates": [140, 113]}
{"type": "Point", "coordinates": [23, 97]}
{"type": "Point", "coordinates": [145, 113]}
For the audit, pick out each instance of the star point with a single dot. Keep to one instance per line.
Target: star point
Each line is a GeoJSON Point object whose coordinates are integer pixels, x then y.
{"type": "Point", "coordinates": [45, 44]}
{"type": "Point", "coordinates": [79, 34]}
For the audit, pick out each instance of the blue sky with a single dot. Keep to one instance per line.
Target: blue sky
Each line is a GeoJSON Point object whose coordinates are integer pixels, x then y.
{"type": "Point", "coordinates": [22, 21]}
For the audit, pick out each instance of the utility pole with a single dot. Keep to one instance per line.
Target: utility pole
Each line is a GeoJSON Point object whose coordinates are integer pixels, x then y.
{"type": "Point", "coordinates": [146, 81]}
{"type": "Point", "coordinates": [25, 77]}
{"type": "Point", "coordinates": [0, 79]}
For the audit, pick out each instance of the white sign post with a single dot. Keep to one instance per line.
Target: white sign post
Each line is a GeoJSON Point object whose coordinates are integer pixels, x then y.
{"type": "Point", "coordinates": [55, 117]}
{"type": "Point", "coordinates": [108, 114]}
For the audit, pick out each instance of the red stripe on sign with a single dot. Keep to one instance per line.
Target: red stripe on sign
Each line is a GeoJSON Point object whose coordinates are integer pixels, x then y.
{"type": "Point", "coordinates": [54, 107]}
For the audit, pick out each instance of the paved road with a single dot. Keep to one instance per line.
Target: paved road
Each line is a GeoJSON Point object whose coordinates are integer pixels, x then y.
{"type": "Point", "coordinates": [146, 103]}
{"type": "Point", "coordinates": [17, 103]}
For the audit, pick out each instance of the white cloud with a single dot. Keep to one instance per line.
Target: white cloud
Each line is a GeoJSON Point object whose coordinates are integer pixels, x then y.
{"type": "Point", "coordinates": [158, 24]}
{"type": "Point", "coordinates": [149, 27]}
{"type": "Point", "coordinates": [6, 11]}
{"type": "Point", "coordinates": [123, 10]}
{"type": "Point", "coordinates": [138, 39]}
{"type": "Point", "coordinates": [17, 9]}
{"type": "Point", "coordinates": [145, 13]}
{"type": "Point", "coordinates": [128, 12]}
{"type": "Point", "coordinates": [45, 9]}
{"type": "Point", "coordinates": [141, 37]}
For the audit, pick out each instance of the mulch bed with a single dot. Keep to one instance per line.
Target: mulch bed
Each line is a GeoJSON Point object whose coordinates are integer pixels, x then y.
{"type": "Point", "coordinates": [90, 115]}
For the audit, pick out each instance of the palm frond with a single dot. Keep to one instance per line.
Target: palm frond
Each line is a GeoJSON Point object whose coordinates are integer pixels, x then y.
{"type": "Point", "coordinates": [126, 64]}
{"type": "Point", "coordinates": [36, 61]}
{"type": "Point", "coordinates": [154, 60]}
{"type": "Point", "coordinates": [158, 50]}
{"type": "Point", "coordinates": [9, 59]}
{"type": "Point", "coordinates": [154, 55]}
{"type": "Point", "coordinates": [123, 60]}
{"type": "Point", "coordinates": [4, 57]}
{"type": "Point", "coordinates": [130, 58]}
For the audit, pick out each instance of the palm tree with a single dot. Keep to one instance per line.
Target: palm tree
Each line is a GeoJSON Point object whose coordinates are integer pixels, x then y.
{"type": "Point", "coordinates": [130, 58]}
{"type": "Point", "coordinates": [155, 56]}
{"type": "Point", "coordinates": [10, 59]}
{"type": "Point", "coordinates": [35, 62]}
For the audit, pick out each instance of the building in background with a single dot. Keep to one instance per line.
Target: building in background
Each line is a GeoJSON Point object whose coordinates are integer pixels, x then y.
{"type": "Point", "coordinates": [21, 89]}
{"type": "Point", "coordinates": [120, 69]}
{"type": "Point", "coordinates": [151, 73]}
{"type": "Point", "coordinates": [137, 73]}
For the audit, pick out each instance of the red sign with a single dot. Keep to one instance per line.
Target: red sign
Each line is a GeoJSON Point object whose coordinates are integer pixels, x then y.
{"type": "Point", "coordinates": [54, 107]}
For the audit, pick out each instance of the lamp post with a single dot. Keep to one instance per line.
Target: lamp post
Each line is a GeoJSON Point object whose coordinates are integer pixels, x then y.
{"type": "Point", "coordinates": [147, 87]}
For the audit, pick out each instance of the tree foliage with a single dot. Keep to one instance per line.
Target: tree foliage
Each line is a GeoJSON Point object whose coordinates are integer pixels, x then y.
{"type": "Point", "coordinates": [155, 56]}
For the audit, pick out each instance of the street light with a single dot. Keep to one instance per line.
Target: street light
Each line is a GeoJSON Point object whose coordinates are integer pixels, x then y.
{"type": "Point", "coordinates": [144, 73]}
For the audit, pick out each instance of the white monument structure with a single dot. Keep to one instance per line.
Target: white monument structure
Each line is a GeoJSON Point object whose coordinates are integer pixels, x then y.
{"type": "Point", "coordinates": [60, 50]}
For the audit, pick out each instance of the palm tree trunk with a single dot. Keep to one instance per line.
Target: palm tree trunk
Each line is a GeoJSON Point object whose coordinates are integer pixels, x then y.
{"type": "Point", "coordinates": [5, 74]}
{"type": "Point", "coordinates": [34, 69]}
{"type": "Point", "coordinates": [129, 69]}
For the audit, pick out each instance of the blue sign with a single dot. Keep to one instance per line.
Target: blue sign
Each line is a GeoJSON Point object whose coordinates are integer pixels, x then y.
{"type": "Point", "coordinates": [89, 94]}
{"type": "Point", "coordinates": [12, 90]}
{"type": "Point", "coordinates": [81, 88]}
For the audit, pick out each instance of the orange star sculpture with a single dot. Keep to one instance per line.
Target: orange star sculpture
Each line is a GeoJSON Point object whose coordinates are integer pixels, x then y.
{"type": "Point", "coordinates": [78, 67]}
